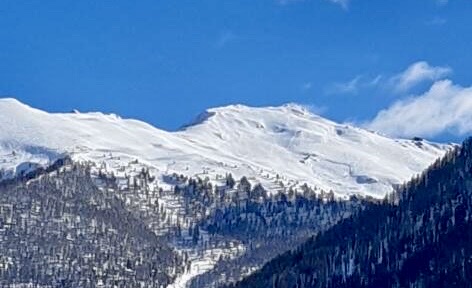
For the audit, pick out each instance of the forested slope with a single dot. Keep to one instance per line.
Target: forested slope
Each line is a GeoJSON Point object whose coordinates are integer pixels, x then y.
{"type": "Point", "coordinates": [420, 237]}
{"type": "Point", "coordinates": [59, 230]}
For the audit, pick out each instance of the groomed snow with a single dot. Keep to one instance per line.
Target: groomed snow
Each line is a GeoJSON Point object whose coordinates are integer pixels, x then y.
{"type": "Point", "coordinates": [255, 142]}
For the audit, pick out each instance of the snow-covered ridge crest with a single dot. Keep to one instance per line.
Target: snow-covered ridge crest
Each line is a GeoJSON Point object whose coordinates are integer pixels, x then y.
{"type": "Point", "coordinates": [236, 108]}
{"type": "Point", "coordinates": [276, 146]}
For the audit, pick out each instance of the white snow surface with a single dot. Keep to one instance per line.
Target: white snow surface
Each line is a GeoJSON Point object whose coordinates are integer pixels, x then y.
{"type": "Point", "coordinates": [246, 141]}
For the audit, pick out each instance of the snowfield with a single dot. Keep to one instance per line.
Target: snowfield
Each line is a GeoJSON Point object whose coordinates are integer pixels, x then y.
{"type": "Point", "coordinates": [275, 146]}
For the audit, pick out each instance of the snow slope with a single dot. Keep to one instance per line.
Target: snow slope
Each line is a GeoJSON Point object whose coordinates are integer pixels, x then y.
{"type": "Point", "coordinates": [255, 142]}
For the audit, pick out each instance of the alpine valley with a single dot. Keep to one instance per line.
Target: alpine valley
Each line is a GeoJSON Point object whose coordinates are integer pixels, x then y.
{"type": "Point", "coordinates": [94, 200]}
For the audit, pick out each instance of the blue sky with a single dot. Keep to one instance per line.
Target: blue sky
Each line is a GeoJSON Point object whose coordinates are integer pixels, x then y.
{"type": "Point", "coordinates": [374, 63]}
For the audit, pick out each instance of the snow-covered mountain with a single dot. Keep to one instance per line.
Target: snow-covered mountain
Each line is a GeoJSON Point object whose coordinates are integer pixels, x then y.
{"type": "Point", "coordinates": [221, 232]}
{"type": "Point", "coordinates": [286, 144]}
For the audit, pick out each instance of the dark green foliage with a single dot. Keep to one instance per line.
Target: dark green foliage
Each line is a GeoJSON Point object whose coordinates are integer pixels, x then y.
{"type": "Point", "coordinates": [420, 237]}
{"type": "Point", "coordinates": [230, 181]}
{"type": "Point", "coordinates": [60, 230]}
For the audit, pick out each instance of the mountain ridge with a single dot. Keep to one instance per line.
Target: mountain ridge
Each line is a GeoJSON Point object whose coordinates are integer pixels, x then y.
{"type": "Point", "coordinates": [286, 144]}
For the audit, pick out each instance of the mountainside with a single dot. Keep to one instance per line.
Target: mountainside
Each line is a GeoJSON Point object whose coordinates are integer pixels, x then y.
{"type": "Point", "coordinates": [77, 224]}
{"type": "Point", "coordinates": [220, 197]}
{"type": "Point", "coordinates": [60, 230]}
{"type": "Point", "coordinates": [420, 238]}
{"type": "Point", "coordinates": [275, 146]}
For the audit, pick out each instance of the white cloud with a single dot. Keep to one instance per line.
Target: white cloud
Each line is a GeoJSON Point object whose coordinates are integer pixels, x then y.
{"type": "Point", "coordinates": [350, 87]}
{"type": "Point", "coordinates": [445, 107]}
{"type": "Point", "coordinates": [401, 83]}
{"type": "Point", "coordinates": [307, 86]}
{"type": "Point", "coordinates": [417, 73]}
{"type": "Point", "coordinates": [436, 21]}
{"type": "Point", "coordinates": [354, 85]}
{"type": "Point", "coordinates": [286, 2]}
{"type": "Point", "coordinates": [442, 2]}
{"type": "Point", "coordinates": [225, 38]}
{"type": "Point", "coordinates": [317, 110]}
{"type": "Point", "coordinates": [343, 3]}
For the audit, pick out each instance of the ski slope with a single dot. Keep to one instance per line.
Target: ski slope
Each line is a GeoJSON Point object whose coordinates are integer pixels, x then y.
{"type": "Point", "coordinates": [269, 145]}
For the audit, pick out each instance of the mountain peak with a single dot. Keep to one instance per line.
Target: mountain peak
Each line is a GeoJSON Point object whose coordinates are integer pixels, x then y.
{"type": "Point", "coordinates": [256, 142]}
{"type": "Point", "coordinates": [239, 112]}
{"type": "Point", "coordinates": [13, 103]}
{"type": "Point", "coordinates": [287, 107]}
{"type": "Point", "coordinates": [297, 108]}
{"type": "Point", "coordinates": [7, 100]}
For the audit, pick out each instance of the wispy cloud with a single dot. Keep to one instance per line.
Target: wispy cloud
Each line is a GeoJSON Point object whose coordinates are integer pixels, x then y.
{"type": "Point", "coordinates": [306, 86]}
{"type": "Point", "coordinates": [225, 38]}
{"type": "Point", "coordinates": [343, 3]}
{"type": "Point", "coordinates": [442, 2]}
{"type": "Point", "coordinates": [436, 21]}
{"type": "Point", "coordinates": [354, 85]}
{"type": "Point", "coordinates": [400, 83]}
{"type": "Point", "coordinates": [417, 73]}
{"type": "Point", "coordinates": [286, 2]}
{"type": "Point", "coordinates": [315, 109]}
{"type": "Point", "coordinates": [349, 87]}
{"type": "Point", "coordinates": [445, 107]}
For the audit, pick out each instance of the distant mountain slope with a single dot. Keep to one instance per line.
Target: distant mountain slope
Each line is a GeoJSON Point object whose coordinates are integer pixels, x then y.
{"type": "Point", "coordinates": [423, 241]}
{"type": "Point", "coordinates": [271, 145]}
{"type": "Point", "coordinates": [60, 230]}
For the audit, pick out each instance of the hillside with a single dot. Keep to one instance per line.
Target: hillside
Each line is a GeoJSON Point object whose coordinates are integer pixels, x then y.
{"type": "Point", "coordinates": [60, 230]}
{"type": "Point", "coordinates": [420, 238]}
